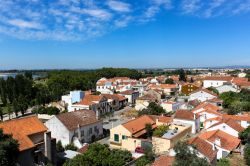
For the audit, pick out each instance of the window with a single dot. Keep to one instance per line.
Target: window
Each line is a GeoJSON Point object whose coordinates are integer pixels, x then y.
{"type": "Point", "coordinates": [82, 133]}
{"type": "Point", "coordinates": [90, 131]}
{"type": "Point", "coordinates": [116, 137]}
{"type": "Point", "coordinates": [124, 137]}
{"type": "Point", "coordinates": [224, 127]}
{"type": "Point", "coordinates": [76, 134]}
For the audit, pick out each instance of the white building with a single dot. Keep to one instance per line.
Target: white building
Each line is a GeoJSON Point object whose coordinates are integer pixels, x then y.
{"type": "Point", "coordinates": [226, 88]}
{"type": "Point", "coordinates": [202, 95]}
{"type": "Point", "coordinates": [170, 106]}
{"type": "Point", "coordinates": [98, 103]}
{"type": "Point", "coordinates": [75, 127]}
{"type": "Point", "coordinates": [230, 127]}
{"type": "Point", "coordinates": [216, 81]}
{"type": "Point", "coordinates": [187, 117]}
{"type": "Point", "coordinates": [71, 98]}
{"type": "Point", "coordinates": [223, 142]}
{"type": "Point", "coordinates": [130, 95]}
{"type": "Point", "coordinates": [206, 111]}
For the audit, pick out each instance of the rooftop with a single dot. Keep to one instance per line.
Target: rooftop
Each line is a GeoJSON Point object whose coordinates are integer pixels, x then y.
{"type": "Point", "coordinates": [22, 128]}
{"type": "Point", "coordinates": [71, 120]}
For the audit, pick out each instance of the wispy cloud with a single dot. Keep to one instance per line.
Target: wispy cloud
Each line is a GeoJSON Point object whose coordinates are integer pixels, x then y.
{"type": "Point", "coordinates": [25, 24]}
{"type": "Point", "coordinates": [119, 6]}
{"type": "Point", "coordinates": [84, 19]}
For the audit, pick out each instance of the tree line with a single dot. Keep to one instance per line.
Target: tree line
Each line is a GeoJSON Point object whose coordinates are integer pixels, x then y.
{"type": "Point", "coordinates": [234, 103]}
{"type": "Point", "coordinates": [20, 92]}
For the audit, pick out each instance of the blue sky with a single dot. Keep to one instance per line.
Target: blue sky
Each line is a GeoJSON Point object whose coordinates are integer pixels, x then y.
{"type": "Point", "coordinates": [37, 34]}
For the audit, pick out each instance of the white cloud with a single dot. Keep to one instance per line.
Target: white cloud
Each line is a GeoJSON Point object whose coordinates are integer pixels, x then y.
{"type": "Point", "coordinates": [25, 24]}
{"type": "Point", "coordinates": [119, 6]}
{"type": "Point", "coordinates": [85, 19]}
{"type": "Point", "coordinates": [190, 6]}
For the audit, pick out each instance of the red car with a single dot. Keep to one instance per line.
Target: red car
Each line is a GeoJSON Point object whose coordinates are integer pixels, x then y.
{"type": "Point", "coordinates": [139, 150]}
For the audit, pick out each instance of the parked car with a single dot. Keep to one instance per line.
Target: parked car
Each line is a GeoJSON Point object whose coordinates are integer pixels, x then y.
{"type": "Point", "coordinates": [139, 150]}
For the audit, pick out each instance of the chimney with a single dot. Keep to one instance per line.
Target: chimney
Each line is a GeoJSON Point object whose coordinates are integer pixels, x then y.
{"type": "Point", "coordinates": [194, 116]}
{"type": "Point", "coordinates": [47, 145]}
{"type": "Point", "coordinates": [217, 142]}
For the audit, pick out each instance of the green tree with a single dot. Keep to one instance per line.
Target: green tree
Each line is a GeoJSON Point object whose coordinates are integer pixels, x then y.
{"type": "Point", "coordinates": [223, 162]}
{"type": "Point", "coordinates": [212, 89]}
{"type": "Point", "coordinates": [1, 113]}
{"type": "Point", "coordinates": [245, 135]}
{"type": "Point", "coordinates": [169, 81]}
{"type": "Point", "coordinates": [3, 92]}
{"type": "Point", "coordinates": [160, 130]}
{"type": "Point", "coordinates": [71, 146]}
{"type": "Point", "coordinates": [101, 155]}
{"type": "Point", "coordinates": [143, 161]}
{"type": "Point", "coordinates": [8, 149]}
{"type": "Point", "coordinates": [182, 75]}
{"type": "Point", "coordinates": [9, 110]}
{"type": "Point", "coordinates": [247, 154]}
{"type": "Point", "coordinates": [187, 156]}
{"type": "Point", "coordinates": [59, 147]}
{"type": "Point", "coordinates": [153, 109]}
{"type": "Point", "coordinates": [148, 128]}
{"type": "Point", "coordinates": [147, 159]}
{"type": "Point", "coordinates": [79, 160]}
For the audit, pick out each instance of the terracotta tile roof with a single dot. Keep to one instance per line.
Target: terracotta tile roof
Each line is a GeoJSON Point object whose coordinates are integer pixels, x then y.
{"type": "Point", "coordinates": [90, 99]}
{"type": "Point", "coordinates": [138, 124]}
{"type": "Point", "coordinates": [127, 92]}
{"type": "Point", "coordinates": [206, 105]}
{"type": "Point", "coordinates": [219, 78]}
{"type": "Point", "coordinates": [237, 117]}
{"type": "Point", "coordinates": [164, 161]}
{"type": "Point", "coordinates": [83, 149]}
{"type": "Point", "coordinates": [115, 97]}
{"type": "Point", "coordinates": [184, 114]}
{"type": "Point", "coordinates": [204, 147]}
{"type": "Point", "coordinates": [148, 97]}
{"type": "Point", "coordinates": [230, 122]}
{"type": "Point", "coordinates": [228, 141]}
{"type": "Point", "coordinates": [22, 128]}
{"type": "Point", "coordinates": [168, 86]}
{"type": "Point", "coordinates": [120, 97]}
{"type": "Point", "coordinates": [71, 120]}
{"type": "Point", "coordinates": [165, 119]}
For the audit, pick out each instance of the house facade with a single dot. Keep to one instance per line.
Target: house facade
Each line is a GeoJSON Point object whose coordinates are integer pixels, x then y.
{"type": "Point", "coordinates": [216, 81]}
{"type": "Point", "coordinates": [76, 127]}
{"type": "Point", "coordinates": [187, 117]}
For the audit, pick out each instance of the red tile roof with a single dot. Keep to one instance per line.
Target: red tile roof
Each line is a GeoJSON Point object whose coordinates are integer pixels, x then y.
{"type": "Point", "coordinates": [228, 141]}
{"type": "Point", "coordinates": [230, 122]}
{"type": "Point", "coordinates": [204, 148]}
{"type": "Point", "coordinates": [71, 120]}
{"type": "Point", "coordinates": [184, 114]}
{"type": "Point", "coordinates": [91, 99]}
{"type": "Point", "coordinates": [164, 161]}
{"type": "Point", "coordinates": [127, 92]}
{"type": "Point", "coordinates": [138, 124]}
{"type": "Point", "coordinates": [22, 128]}
{"type": "Point", "coordinates": [219, 78]}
